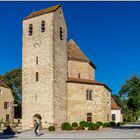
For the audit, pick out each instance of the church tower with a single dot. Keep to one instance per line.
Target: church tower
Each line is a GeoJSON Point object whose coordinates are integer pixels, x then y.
{"type": "Point", "coordinates": [44, 68]}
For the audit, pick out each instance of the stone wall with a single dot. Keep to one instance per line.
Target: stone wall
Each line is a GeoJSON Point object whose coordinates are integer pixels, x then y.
{"type": "Point", "coordinates": [78, 106]}
{"type": "Point", "coordinates": [46, 97]}
{"type": "Point", "coordinates": [85, 70]}
{"type": "Point", "coordinates": [37, 96]}
{"type": "Point", "coordinates": [60, 68]}
{"type": "Point", "coordinates": [5, 96]}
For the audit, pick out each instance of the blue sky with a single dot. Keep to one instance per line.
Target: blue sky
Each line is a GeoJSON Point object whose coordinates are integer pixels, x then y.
{"type": "Point", "coordinates": [107, 32]}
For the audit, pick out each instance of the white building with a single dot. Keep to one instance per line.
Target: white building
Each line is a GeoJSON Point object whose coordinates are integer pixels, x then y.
{"type": "Point", "coordinates": [115, 112]}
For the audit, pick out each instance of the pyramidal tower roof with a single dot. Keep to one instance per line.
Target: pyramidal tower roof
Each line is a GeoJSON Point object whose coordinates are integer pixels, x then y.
{"type": "Point", "coordinates": [44, 11]}
{"type": "Point", "coordinates": [74, 52]}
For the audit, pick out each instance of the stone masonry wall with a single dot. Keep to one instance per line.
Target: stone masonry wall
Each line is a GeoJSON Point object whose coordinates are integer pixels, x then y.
{"type": "Point", "coordinates": [60, 68]}
{"type": "Point", "coordinates": [5, 96]}
{"type": "Point", "coordinates": [78, 106]}
{"type": "Point", "coordinates": [37, 96]}
{"type": "Point", "coordinates": [85, 70]}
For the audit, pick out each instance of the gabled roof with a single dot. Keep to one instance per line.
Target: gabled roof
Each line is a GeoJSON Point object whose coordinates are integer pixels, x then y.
{"type": "Point", "coordinates": [87, 81]}
{"type": "Point", "coordinates": [75, 53]}
{"type": "Point", "coordinates": [114, 106]}
{"type": "Point", "coordinates": [44, 11]}
{"type": "Point", "coordinates": [3, 84]}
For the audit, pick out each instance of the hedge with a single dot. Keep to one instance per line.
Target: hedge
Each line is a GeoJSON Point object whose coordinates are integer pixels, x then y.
{"type": "Point", "coordinates": [51, 128]}
{"type": "Point", "coordinates": [74, 124]}
{"type": "Point", "coordinates": [66, 126]}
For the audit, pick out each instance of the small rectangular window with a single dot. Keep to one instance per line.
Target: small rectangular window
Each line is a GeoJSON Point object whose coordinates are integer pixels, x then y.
{"type": "Point", "coordinates": [89, 95]}
{"type": "Point", "coordinates": [79, 75]}
{"type": "Point", "coordinates": [0, 91]}
{"type": "Point", "coordinates": [113, 117]}
{"type": "Point", "coordinates": [6, 105]}
{"type": "Point", "coordinates": [89, 117]}
{"type": "Point", "coordinates": [37, 60]}
{"type": "Point", "coordinates": [37, 76]}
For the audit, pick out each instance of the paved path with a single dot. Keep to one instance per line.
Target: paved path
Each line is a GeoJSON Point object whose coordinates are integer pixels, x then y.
{"type": "Point", "coordinates": [128, 132]}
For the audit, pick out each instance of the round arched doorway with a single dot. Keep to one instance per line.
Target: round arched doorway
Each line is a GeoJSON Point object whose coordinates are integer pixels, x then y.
{"type": "Point", "coordinates": [38, 118]}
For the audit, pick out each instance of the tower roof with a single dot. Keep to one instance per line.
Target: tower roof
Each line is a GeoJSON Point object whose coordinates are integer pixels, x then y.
{"type": "Point", "coordinates": [75, 53]}
{"type": "Point", "coordinates": [114, 106]}
{"type": "Point", "coordinates": [44, 11]}
{"type": "Point", "coordinates": [3, 84]}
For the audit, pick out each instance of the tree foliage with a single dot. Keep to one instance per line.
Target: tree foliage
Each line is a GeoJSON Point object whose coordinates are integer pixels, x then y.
{"type": "Point", "coordinates": [130, 91]}
{"type": "Point", "coordinates": [128, 99]}
{"type": "Point", "coordinates": [14, 80]}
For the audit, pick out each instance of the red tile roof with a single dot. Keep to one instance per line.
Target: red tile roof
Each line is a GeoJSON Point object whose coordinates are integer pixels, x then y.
{"type": "Point", "coordinates": [44, 11]}
{"type": "Point", "coordinates": [75, 53]}
{"type": "Point", "coordinates": [87, 81]}
{"type": "Point", "coordinates": [114, 106]}
{"type": "Point", "coordinates": [3, 84]}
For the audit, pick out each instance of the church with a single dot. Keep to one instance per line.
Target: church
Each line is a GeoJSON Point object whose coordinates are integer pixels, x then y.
{"type": "Point", "coordinates": [58, 80]}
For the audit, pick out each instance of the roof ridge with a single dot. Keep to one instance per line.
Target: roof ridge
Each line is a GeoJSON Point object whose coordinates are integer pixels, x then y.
{"type": "Point", "coordinates": [43, 11]}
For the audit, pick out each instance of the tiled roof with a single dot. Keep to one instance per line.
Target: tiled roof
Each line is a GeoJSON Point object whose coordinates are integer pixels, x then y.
{"type": "Point", "coordinates": [87, 81]}
{"type": "Point", "coordinates": [3, 84]}
{"type": "Point", "coordinates": [114, 106]}
{"type": "Point", "coordinates": [75, 53]}
{"type": "Point", "coordinates": [44, 11]}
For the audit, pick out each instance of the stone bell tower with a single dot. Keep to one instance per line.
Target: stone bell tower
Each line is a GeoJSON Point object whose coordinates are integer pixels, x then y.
{"type": "Point", "coordinates": [44, 67]}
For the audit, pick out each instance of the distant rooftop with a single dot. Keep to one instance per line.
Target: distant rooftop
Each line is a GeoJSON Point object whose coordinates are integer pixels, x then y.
{"type": "Point", "coordinates": [3, 85]}
{"type": "Point", "coordinates": [44, 11]}
{"type": "Point", "coordinates": [114, 106]}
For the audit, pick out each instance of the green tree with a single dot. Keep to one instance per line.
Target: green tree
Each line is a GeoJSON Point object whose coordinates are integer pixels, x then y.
{"type": "Point", "coordinates": [14, 80]}
{"type": "Point", "coordinates": [130, 92]}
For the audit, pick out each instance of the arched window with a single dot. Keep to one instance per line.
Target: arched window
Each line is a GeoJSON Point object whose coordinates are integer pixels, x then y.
{"type": "Point", "coordinates": [61, 33]}
{"type": "Point", "coordinates": [43, 26]}
{"type": "Point", "coordinates": [30, 29]}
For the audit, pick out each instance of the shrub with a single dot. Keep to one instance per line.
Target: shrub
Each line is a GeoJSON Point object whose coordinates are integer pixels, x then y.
{"type": "Point", "coordinates": [95, 126]}
{"type": "Point", "coordinates": [90, 125]}
{"type": "Point", "coordinates": [80, 128]}
{"type": "Point", "coordinates": [74, 124]}
{"type": "Point", "coordinates": [5, 124]}
{"type": "Point", "coordinates": [112, 123]}
{"type": "Point", "coordinates": [83, 123]}
{"type": "Point", "coordinates": [100, 123]}
{"type": "Point", "coordinates": [106, 125]}
{"type": "Point", "coordinates": [120, 123]}
{"type": "Point", "coordinates": [66, 126]}
{"type": "Point", "coordinates": [51, 128]}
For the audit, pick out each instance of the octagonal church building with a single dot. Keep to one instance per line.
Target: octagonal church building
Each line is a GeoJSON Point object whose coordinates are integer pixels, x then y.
{"type": "Point", "coordinates": [58, 80]}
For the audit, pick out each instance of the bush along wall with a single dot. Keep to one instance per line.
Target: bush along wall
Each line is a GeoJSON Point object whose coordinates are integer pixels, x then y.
{"type": "Point", "coordinates": [51, 128]}
{"type": "Point", "coordinates": [83, 125]}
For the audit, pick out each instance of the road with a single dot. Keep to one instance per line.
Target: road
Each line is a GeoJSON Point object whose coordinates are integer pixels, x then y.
{"type": "Point", "coordinates": [129, 132]}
